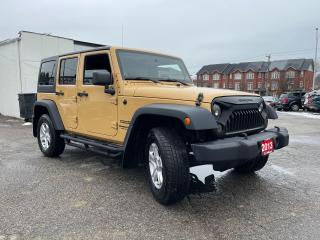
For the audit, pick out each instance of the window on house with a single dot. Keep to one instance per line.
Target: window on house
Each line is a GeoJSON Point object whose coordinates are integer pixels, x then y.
{"type": "Point", "coordinates": [250, 75]}
{"type": "Point", "coordinates": [274, 86]}
{"type": "Point", "coordinates": [68, 71]}
{"type": "Point", "coordinates": [237, 76]}
{"type": "Point", "coordinates": [230, 86]}
{"type": "Point", "coordinates": [250, 86]}
{"type": "Point", "coordinates": [259, 75]}
{"type": "Point", "coordinates": [95, 63]}
{"type": "Point", "coordinates": [259, 85]}
{"type": "Point", "coordinates": [301, 84]}
{"type": "Point", "coordinates": [237, 86]}
{"type": "Point", "coordinates": [205, 77]}
{"type": "Point", "coordinates": [275, 75]}
{"type": "Point", "coordinates": [47, 73]}
{"type": "Point", "coordinates": [216, 76]}
{"type": "Point", "coordinates": [290, 74]}
{"type": "Point", "coordinates": [224, 76]}
{"type": "Point", "coordinates": [224, 85]}
{"type": "Point", "coordinates": [302, 73]}
{"type": "Point", "coordinates": [215, 85]}
{"type": "Point", "coordinates": [230, 76]}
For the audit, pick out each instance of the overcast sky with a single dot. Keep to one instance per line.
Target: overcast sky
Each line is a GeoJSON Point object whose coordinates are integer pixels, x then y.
{"type": "Point", "coordinates": [201, 32]}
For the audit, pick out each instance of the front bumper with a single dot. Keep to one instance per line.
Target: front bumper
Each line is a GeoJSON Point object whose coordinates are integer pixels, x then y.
{"type": "Point", "coordinates": [231, 152]}
{"type": "Point", "coordinates": [314, 107]}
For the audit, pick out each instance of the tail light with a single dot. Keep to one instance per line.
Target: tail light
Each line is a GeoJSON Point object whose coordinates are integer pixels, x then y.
{"type": "Point", "coordinates": [285, 100]}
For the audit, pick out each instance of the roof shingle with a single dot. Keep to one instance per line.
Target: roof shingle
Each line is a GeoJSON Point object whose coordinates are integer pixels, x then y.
{"type": "Point", "coordinates": [227, 68]}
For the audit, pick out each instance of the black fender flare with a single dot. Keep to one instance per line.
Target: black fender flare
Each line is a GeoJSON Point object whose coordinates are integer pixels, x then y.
{"type": "Point", "coordinates": [271, 112]}
{"type": "Point", "coordinates": [53, 112]}
{"type": "Point", "coordinates": [201, 119]}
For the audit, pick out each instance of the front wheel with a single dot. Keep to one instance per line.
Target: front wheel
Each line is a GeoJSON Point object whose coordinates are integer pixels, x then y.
{"type": "Point", "coordinates": [253, 165]}
{"type": "Point", "coordinates": [167, 165]}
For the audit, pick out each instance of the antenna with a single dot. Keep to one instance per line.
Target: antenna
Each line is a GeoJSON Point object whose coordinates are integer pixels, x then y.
{"type": "Point", "coordinates": [122, 34]}
{"type": "Point", "coordinates": [267, 81]}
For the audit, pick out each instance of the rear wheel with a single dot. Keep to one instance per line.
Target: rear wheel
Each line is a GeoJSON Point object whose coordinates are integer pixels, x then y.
{"type": "Point", "coordinates": [50, 143]}
{"type": "Point", "coordinates": [253, 165]}
{"type": "Point", "coordinates": [167, 165]}
{"type": "Point", "coordinates": [294, 107]}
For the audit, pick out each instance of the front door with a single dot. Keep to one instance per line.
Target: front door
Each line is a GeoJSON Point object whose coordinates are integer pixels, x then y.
{"type": "Point", "coordinates": [97, 110]}
{"type": "Point", "coordinates": [66, 90]}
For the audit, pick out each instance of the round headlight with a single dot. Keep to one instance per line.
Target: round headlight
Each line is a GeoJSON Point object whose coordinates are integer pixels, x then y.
{"type": "Point", "coordinates": [216, 110]}
{"type": "Point", "coordinates": [260, 107]}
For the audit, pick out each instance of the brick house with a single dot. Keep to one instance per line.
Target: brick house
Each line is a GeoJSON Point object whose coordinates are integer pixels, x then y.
{"type": "Point", "coordinates": [260, 77]}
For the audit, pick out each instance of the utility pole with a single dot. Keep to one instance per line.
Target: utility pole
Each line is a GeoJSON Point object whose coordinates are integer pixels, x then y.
{"type": "Point", "coordinates": [315, 61]}
{"type": "Point", "coordinates": [268, 78]}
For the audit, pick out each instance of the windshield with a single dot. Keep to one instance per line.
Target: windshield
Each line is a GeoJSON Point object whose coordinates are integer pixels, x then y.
{"type": "Point", "coordinates": [268, 98]}
{"type": "Point", "coordinates": [142, 65]}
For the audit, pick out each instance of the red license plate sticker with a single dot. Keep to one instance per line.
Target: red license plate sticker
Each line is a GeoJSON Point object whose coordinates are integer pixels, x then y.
{"type": "Point", "coordinates": [267, 147]}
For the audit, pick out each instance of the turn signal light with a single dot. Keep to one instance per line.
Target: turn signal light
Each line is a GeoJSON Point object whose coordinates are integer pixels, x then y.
{"type": "Point", "coordinates": [187, 121]}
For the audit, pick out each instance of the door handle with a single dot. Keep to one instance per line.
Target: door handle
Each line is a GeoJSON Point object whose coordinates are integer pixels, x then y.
{"type": "Point", "coordinates": [82, 94]}
{"type": "Point", "coordinates": [60, 93]}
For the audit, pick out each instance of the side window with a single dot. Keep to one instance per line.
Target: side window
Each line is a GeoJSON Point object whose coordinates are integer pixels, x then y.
{"type": "Point", "coordinates": [68, 71]}
{"type": "Point", "coordinates": [95, 63]}
{"type": "Point", "coordinates": [296, 94]}
{"type": "Point", "coordinates": [47, 73]}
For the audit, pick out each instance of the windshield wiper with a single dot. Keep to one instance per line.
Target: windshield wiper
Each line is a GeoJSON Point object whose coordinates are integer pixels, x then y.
{"type": "Point", "coordinates": [176, 80]}
{"type": "Point", "coordinates": [143, 78]}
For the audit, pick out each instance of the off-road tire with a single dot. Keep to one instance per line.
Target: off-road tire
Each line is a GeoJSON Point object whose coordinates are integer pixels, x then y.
{"type": "Point", "coordinates": [294, 107]}
{"type": "Point", "coordinates": [175, 171]}
{"type": "Point", "coordinates": [57, 144]}
{"type": "Point", "coordinates": [253, 165]}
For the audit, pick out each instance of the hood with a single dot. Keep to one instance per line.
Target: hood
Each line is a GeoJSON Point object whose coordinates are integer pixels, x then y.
{"type": "Point", "coordinates": [186, 93]}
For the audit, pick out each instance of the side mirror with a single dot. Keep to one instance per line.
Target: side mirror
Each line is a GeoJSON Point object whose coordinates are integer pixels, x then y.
{"type": "Point", "coordinates": [101, 78]}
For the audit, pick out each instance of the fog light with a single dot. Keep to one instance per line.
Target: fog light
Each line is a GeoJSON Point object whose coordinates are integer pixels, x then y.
{"type": "Point", "coordinates": [260, 107]}
{"type": "Point", "coordinates": [216, 110]}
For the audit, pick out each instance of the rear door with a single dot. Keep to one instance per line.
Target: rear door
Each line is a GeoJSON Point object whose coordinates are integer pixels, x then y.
{"type": "Point", "coordinates": [66, 90]}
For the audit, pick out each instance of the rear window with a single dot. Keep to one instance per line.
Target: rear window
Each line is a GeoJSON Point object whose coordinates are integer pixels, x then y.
{"type": "Point", "coordinates": [284, 95]}
{"type": "Point", "coordinates": [47, 73]}
{"type": "Point", "coordinates": [68, 71]}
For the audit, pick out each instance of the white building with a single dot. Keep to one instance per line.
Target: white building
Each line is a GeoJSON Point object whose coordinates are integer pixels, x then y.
{"type": "Point", "coordinates": [19, 64]}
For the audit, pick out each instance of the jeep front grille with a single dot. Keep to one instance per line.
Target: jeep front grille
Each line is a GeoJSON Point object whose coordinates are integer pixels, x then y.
{"type": "Point", "coordinates": [244, 120]}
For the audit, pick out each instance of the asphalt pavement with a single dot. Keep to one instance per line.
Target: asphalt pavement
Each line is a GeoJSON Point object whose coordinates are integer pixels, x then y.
{"type": "Point", "coordinates": [85, 196]}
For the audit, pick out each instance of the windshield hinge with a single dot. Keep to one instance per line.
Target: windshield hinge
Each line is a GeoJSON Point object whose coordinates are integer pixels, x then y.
{"type": "Point", "coordinates": [114, 125]}
{"type": "Point", "coordinates": [199, 99]}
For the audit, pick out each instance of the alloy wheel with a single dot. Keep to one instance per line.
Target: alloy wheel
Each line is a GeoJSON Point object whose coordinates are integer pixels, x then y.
{"type": "Point", "coordinates": [155, 166]}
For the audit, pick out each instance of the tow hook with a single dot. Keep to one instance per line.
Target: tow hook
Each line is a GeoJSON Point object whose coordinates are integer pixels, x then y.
{"type": "Point", "coordinates": [245, 136]}
{"type": "Point", "coordinates": [278, 128]}
{"type": "Point", "coordinates": [198, 187]}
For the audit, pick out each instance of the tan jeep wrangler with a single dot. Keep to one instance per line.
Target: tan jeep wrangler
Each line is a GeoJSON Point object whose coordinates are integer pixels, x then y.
{"type": "Point", "coordinates": [143, 108]}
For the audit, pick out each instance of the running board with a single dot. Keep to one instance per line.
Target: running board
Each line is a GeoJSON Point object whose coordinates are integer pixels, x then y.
{"type": "Point", "coordinates": [100, 147]}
